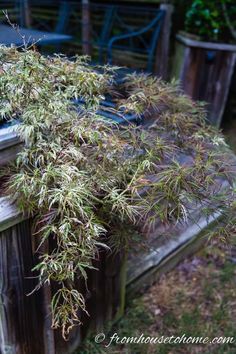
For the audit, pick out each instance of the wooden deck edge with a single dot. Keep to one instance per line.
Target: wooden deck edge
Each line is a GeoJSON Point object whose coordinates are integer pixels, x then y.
{"type": "Point", "coordinates": [8, 137]}
{"type": "Point", "coordinates": [170, 259]}
{"type": "Point", "coordinates": [9, 214]}
{"type": "Point", "coordinates": [10, 145]}
{"type": "Point", "coordinates": [152, 259]}
{"type": "Point", "coordinates": [8, 141]}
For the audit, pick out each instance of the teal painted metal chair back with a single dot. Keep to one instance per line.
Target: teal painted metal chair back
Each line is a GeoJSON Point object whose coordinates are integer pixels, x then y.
{"type": "Point", "coordinates": [142, 38]}
{"type": "Point", "coordinates": [114, 27]}
{"type": "Point", "coordinates": [63, 17]}
{"type": "Point", "coordinates": [133, 30]}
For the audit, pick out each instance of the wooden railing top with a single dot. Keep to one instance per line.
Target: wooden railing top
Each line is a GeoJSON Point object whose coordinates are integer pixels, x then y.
{"type": "Point", "coordinates": [205, 45]}
{"type": "Point", "coordinates": [154, 255]}
{"type": "Point", "coordinates": [9, 214]}
{"type": "Point", "coordinates": [10, 145]}
{"type": "Point", "coordinates": [8, 137]}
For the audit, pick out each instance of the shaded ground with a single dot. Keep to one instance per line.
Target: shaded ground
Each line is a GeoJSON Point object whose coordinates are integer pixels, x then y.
{"type": "Point", "coordinates": [197, 298]}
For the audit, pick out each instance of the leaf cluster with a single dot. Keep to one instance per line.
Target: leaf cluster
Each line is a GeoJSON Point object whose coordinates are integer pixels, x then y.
{"type": "Point", "coordinates": [212, 20]}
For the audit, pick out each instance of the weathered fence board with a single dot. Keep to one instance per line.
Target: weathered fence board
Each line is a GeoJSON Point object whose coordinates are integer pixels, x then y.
{"type": "Point", "coordinates": [21, 318]}
{"type": "Point", "coordinates": [9, 215]}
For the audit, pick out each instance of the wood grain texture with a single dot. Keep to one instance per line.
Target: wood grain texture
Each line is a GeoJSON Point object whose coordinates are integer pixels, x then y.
{"type": "Point", "coordinates": [147, 262]}
{"type": "Point", "coordinates": [9, 154]}
{"type": "Point", "coordinates": [154, 273]}
{"type": "Point", "coordinates": [25, 320]}
{"type": "Point", "coordinates": [9, 214]}
{"type": "Point", "coordinates": [20, 315]}
{"type": "Point", "coordinates": [205, 74]}
{"type": "Point", "coordinates": [7, 140]}
{"type": "Point", "coordinates": [206, 45]}
{"type": "Point", "coordinates": [10, 145]}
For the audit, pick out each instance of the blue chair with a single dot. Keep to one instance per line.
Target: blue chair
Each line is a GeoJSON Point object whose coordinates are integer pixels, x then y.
{"type": "Point", "coordinates": [115, 28]}
{"type": "Point", "coordinates": [132, 38]}
{"type": "Point", "coordinates": [149, 45]}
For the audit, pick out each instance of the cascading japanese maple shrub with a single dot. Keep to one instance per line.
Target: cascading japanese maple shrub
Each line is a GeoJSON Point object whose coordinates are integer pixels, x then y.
{"type": "Point", "coordinates": [83, 177]}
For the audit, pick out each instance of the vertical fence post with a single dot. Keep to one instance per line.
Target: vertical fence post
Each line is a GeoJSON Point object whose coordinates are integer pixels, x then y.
{"type": "Point", "coordinates": [86, 44]}
{"type": "Point", "coordinates": [162, 53]}
{"type": "Point", "coordinates": [25, 19]}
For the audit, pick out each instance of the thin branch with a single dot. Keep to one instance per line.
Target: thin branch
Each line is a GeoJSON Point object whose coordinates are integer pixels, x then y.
{"type": "Point", "coordinates": [22, 36]}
